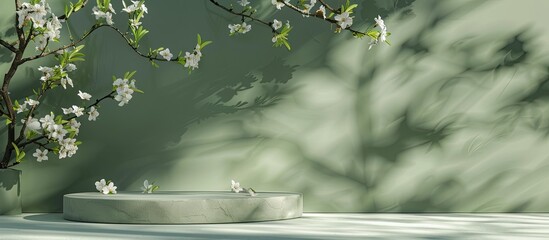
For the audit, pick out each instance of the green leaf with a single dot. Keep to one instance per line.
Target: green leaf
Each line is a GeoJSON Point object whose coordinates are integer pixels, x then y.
{"type": "Point", "coordinates": [204, 44]}
{"type": "Point", "coordinates": [137, 90]}
{"type": "Point", "coordinates": [129, 75]}
{"type": "Point", "coordinates": [198, 39]}
{"type": "Point", "coordinates": [287, 45]}
{"type": "Point", "coordinates": [8, 121]}
{"type": "Point", "coordinates": [19, 155]}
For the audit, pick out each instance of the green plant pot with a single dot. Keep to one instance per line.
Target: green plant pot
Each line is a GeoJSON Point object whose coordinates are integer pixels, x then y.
{"type": "Point", "coordinates": [10, 192]}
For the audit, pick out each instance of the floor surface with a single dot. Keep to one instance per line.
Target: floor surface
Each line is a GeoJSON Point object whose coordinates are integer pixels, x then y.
{"type": "Point", "coordinates": [310, 226]}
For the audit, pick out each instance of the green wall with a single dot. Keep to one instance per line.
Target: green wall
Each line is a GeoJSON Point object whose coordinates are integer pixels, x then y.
{"type": "Point", "coordinates": [454, 116]}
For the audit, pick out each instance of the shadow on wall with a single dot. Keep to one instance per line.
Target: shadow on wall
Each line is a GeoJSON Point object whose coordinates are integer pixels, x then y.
{"type": "Point", "coordinates": [446, 120]}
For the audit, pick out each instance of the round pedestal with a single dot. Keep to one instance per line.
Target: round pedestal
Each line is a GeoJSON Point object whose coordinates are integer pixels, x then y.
{"type": "Point", "coordinates": [181, 207]}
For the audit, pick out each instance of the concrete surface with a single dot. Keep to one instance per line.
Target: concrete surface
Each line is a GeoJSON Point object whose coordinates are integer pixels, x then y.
{"type": "Point", "coordinates": [310, 226]}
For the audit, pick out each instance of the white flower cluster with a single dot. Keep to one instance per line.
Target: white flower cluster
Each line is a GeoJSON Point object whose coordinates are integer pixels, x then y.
{"type": "Point", "coordinates": [68, 147]}
{"type": "Point", "coordinates": [45, 28]}
{"type": "Point", "coordinates": [382, 33]}
{"type": "Point", "coordinates": [78, 111]}
{"type": "Point", "coordinates": [277, 25]}
{"type": "Point", "coordinates": [29, 102]}
{"type": "Point", "coordinates": [192, 59]}
{"type": "Point", "coordinates": [124, 90]}
{"type": "Point", "coordinates": [33, 12]}
{"type": "Point", "coordinates": [49, 73]}
{"type": "Point", "coordinates": [105, 13]}
{"type": "Point", "coordinates": [57, 132]}
{"type": "Point", "coordinates": [134, 7]}
{"type": "Point", "coordinates": [344, 20]}
{"type": "Point", "coordinates": [240, 28]}
{"type": "Point", "coordinates": [105, 187]}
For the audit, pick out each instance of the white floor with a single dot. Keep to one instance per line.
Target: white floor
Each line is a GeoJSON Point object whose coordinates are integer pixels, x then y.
{"type": "Point", "coordinates": [310, 226]}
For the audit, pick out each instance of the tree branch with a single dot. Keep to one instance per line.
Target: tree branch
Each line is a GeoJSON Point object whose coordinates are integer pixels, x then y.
{"type": "Point", "coordinates": [328, 6]}
{"type": "Point", "coordinates": [249, 16]}
{"type": "Point", "coordinates": [8, 46]}
{"type": "Point", "coordinates": [97, 101]}
{"type": "Point", "coordinates": [293, 7]}
{"type": "Point", "coordinates": [86, 35]}
{"type": "Point", "coordinates": [29, 114]}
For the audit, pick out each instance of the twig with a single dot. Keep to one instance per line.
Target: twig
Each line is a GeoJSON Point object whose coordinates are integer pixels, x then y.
{"type": "Point", "coordinates": [8, 46]}
{"type": "Point", "coordinates": [293, 7]}
{"type": "Point", "coordinates": [243, 15]}
{"type": "Point", "coordinates": [328, 6]}
{"type": "Point", "coordinates": [86, 35]}
{"type": "Point", "coordinates": [97, 101]}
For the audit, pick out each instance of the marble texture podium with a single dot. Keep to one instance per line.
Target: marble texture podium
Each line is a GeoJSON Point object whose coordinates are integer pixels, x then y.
{"type": "Point", "coordinates": [181, 207]}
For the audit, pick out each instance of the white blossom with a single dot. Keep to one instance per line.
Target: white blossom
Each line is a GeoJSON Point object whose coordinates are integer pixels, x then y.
{"type": "Point", "coordinates": [68, 147]}
{"type": "Point", "coordinates": [277, 24]}
{"type": "Point", "coordinates": [279, 4]}
{"type": "Point", "coordinates": [322, 10]}
{"type": "Point", "coordinates": [48, 122]}
{"type": "Point", "coordinates": [70, 67]}
{"type": "Point", "coordinates": [192, 59]}
{"type": "Point", "coordinates": [134, 7]}
{"type": "Point", "coordinates": [75, 126]}
{"type": "Point", "coordinates": [65, 80]}
{"type": "Point", "coordinates": [109, 189]}
{"type": "Point", "coordinates": [240, 28]}
{"type": "Point", "coordinates": [57, 132]}
{"type": "Point", "coordinates": [123, 91]}
{"type": "Point", "coordinates": [84, 95]}
{"type": "Point", "coordinates": [344, 20]}
{"type": "Point", "coordinates": [308, 7]}
{"type": "Point", "coordinates": [32, 124]}
{"type": "Point", "coordinates": [235, 186]}
{"type": "Point", "coordinates": [106, 15]}
{"type": "Point", "coordinates": [53, 29]}
{"type": "Point", "coordinates": [166, 54]}
{"type": "Point", "coordinates": [381, 24]}
{"type": "Point", "coordinates": [93, 114]}
{"type": "Point", "coordinates": [78, 111]}
{"type": "Point", "coordinates": [103, 187]}
{"type": "Point", "coordinates": [148, 187]}
{"type": "Point", "coordinates": [22, 108]}
{"type": "Point", "coordinates": [135, 22]}
{"type": "Point", "coordinates": [243, 2]}
{"type": "Point", "coordinates": [33, 12]}
{"type": "Point", "coordinates": [41, 155]}
{"type": "Point", "coordinates": [67, 111]}
{"type": "Point", "coordinates": [99, 185]}
{"type": "Point", "coordinates": [382, 37]}
{"type": "Point", "coordinates": [31, 102]}
{"type": "Point", "coordinates": [47, 73]}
